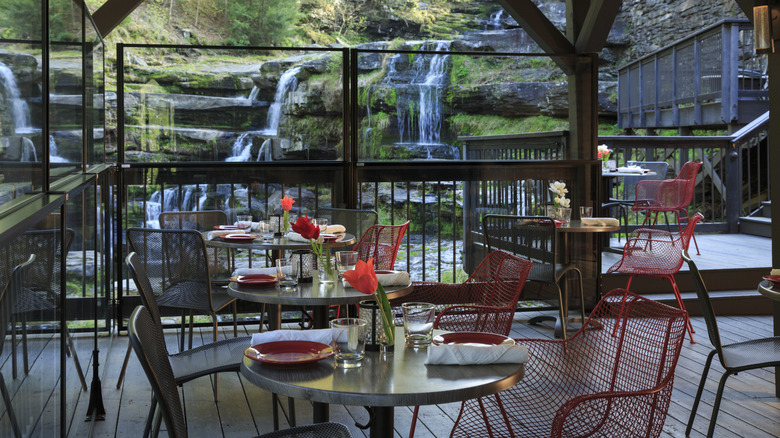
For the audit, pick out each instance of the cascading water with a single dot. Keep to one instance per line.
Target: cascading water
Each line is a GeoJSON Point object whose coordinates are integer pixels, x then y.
{"type": "Point", "coordinates": [494, 22]}
{"type": "Point", "coordinates": [242, 147]}
{"type": "Point", "coordinates": [429, 123]}
{"type": "Point", "coordinates": [19, 107]}
{"type": "Point", "coordinates": [54, 156]}
{"type": "Point", "coordinates": [253, 94]}
{"type": "Point", "coordinates": [287, 82]}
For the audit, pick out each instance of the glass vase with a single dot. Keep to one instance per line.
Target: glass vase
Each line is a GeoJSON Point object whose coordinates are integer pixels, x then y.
{"type": "Point", "coordinates": [326, 268]}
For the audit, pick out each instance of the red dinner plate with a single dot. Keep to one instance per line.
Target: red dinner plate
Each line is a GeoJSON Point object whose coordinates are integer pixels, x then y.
{"type": "Point", "coordinates": [254, 280]}
{"type": "Point", "coordinates": [289, 352]}
{"type": "Point", "coordinates": [225, 227]}
{"type": "Point", "coordinates": [774, 279]}
{"type": "Point", "coordinates": [240, 237]}
{"type": "Point", "coordinates": [472, 338]}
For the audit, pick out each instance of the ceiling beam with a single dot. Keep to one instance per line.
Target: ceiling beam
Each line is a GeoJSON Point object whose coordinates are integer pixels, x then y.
{"type": "Point", "coordinates": [747, 7]}
{"type": "Point", "coordinates": [598, 22]}
{"type": "Point", "coordinates": [111, 13]}
{"type": "Point", "coordinates": [542, 31]}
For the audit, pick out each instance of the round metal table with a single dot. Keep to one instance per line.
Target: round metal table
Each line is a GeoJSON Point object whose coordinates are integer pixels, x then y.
{"type": "Point", "coordinates": [315, 295]}
{"type": "Point", "coordinates": [400, 379]}
{"type": "Point", "coordinates": [766, 289]}
{"type": "Point", "coordinates": [278, 244]}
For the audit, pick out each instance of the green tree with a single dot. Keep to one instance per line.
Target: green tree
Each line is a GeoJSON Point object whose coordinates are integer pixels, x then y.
{"type": "Point", "coordinates": [262, 22]}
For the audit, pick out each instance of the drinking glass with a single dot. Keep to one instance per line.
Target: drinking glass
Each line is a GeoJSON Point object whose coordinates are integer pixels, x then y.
{"type": "Point", "coordinates": [349, 341]}
{"type": "Point", "coordinates": [265, 230]}
{"type": "Point", "coordinates": [418, 323]}
{"type": "Point", "coordinates": [244, 221]}
{"type": "Point", "coordinates": [284, 274]}
{"type": "Point", "coordinates": [275, 222]}
{"type": "Point", "coordinates": [346, 260]}
{"type": "Point", "coordinates": [321, 222]}
{"type": "Point", "coordinates": [586, 212]}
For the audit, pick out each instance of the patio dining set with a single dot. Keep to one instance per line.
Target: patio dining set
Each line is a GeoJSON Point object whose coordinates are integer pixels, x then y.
{"type": "Point", "coordinates": [612, 377]}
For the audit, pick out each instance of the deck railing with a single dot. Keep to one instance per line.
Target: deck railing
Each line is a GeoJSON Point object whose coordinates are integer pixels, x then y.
{"type": "Point", "coordinates": [711, 78]}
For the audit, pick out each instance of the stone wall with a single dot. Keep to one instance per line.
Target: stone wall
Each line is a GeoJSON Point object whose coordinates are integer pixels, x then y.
{"type": "Point", "coordinates": [653, 24]}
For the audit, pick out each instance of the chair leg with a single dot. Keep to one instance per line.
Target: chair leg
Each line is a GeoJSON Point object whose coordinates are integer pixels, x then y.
{"type": "Point", "coordinates": [414, 421]}
{"type": "Point", "coordinates": [25, 357]}
{"type": "Point", "coordinates": [716, 404]}
{"type": "Point", "coordinates": [14, 370]}
{"type": "Point", "coordinates": [681, 304]}
{"type": "Point", "coordinates": [275, 410]}
{"type": "Point", "coordinates": [150, 417]}
{"type": "Point", "coordinates": [75, 356]}
{"type": "Point", "coordinates": [124, 366]}
{"type": "Point", "coordinates": [235, 319]}
{"type": "Point", "coordinates": [183, 329]}
{"type": "Point", "coordinates": [699, 392]}
{"type": "Point", "coordinates": [622, 307]}
{"type": "Point", "coordinates": [216, 375]}
{"type": "Point", "coordinates": [9, 408]}
{"type": "Point", "coordinates": [192, 326]}
{"type": "Point", "coordinates": [562, 309]}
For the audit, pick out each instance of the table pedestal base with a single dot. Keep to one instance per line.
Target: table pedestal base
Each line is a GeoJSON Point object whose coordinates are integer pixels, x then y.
{"type": "Point", "coordinates": [382, 426]}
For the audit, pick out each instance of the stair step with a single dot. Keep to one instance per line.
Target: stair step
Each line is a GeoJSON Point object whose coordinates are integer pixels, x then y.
{"type": "Point", "coordinates": [766, 208]}
{"type": "Point", "coordinates": [741, 302]}
{"type": "Point", "coordinates": [756, 226]}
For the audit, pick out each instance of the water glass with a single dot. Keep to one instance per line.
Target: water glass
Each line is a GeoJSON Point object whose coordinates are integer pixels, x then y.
{"type": "Point", "coordinates": [418, 323]}
{"type": "Point", "coordinates": [349, 341]}
{"type": "Point", "coordinates": [244, 221]}
{"type": "Point", "coordinates": [320, 222]}
{"type": "Point", "coordinates": [346, 260]}
{"type": "Point", "coordinates": [265, 230]}
{"type": "Point", "coordinates": [275, 222]}
{"type": "Point", "coordinates": [586, 212]}
{"type": "Point", "coordinates": [284, 274]}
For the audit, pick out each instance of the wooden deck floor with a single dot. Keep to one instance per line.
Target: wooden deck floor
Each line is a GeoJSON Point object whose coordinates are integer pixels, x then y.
{"type": "Point", "coordinates": [749, 408]}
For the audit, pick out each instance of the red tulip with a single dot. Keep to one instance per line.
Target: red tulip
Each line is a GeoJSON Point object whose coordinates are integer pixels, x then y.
{"type": "Point", "coordinates": [363, 277]}
{"type": "Point", "coordinates": [305, 228]}
{"type": "Point", "coordinates": [287, 203]}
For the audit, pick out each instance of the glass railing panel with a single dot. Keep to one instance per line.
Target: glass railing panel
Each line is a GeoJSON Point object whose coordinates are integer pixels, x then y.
{"type": "Point", "coordinates": [95, 109]}
{"type": "Point", "coordinates": [232, 105]}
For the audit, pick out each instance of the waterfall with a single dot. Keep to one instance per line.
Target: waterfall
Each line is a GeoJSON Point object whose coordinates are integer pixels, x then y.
{"type": "Point", "coordinates": [28, 150]}
{"type": "Point", "coordinates": [429, 123]}
{"type": "Point", "coordinates": [253, 93]}
{"type": "Point", "coordinates": [264, 154]}
{"type": "Point", "coordinates": [54, 153]}
{"type": "Point", "coordinates": [287, 82]}
{"type": "Point", "coordinates": [19, 107]}
{"type": "Point", "coordinates": [494, 22]}
{"type": "Point", "coordinates": [242, 147]}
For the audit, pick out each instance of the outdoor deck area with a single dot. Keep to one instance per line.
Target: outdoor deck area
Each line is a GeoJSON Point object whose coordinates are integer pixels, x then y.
{"type": "Point", "coordinates": [749, 408]}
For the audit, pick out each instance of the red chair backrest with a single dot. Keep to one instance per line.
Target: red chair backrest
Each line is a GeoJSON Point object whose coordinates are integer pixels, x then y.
{"type": "Point", "coordinates": [381, 242]}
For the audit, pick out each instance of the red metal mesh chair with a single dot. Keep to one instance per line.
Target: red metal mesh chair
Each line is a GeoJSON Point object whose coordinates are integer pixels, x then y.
{"type": "Point", "coordinates": [669, 195]}
{"type": "Point", "coordinates": [657, 253]}
{"type": "Point", "coordinates": [381, 242]}
{"type": "Point", "coordinates": [591, 384]}
{"type": "Point", "coordinates": [485, 302]}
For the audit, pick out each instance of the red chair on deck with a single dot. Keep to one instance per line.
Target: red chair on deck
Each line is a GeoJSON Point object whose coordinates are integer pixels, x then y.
{"type": "Point", "coordinates": [669, 195]}
{"type": "Point", "coordinates": [381, 242]}
{"type": "Point", "coordinates": [657, 253]}
{"type": "Point", "coordinates": [592, 384]}
{"type": "Point", "coordinates": [484, 303]}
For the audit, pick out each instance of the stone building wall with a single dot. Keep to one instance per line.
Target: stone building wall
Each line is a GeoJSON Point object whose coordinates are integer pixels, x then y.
{"type": "Point", "coordinates": [653, 24]}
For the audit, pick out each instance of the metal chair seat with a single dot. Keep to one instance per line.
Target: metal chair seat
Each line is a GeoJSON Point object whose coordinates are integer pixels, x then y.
{"type": "Point", "coordinates": [755, 353]}
{"type": "Point", "coordinates": [318, 430]}
{"type": "Point", "coordinates": [216, 357]}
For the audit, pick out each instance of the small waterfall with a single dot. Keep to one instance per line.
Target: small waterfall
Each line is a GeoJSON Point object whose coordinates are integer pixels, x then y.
{"type": "Point", "coordinates": [429, 124]}
{"type": "Point", "coordinates": [242, 147]}
{"type": "Point", "coordinates": [287, 82]}
{"type": "Point", "coordinates": [54, 153]}
{"type": "Point", "coordinates": [494, 22]}
{"type": "Point", "coordinates": [253, 93]}
{"type": "Point", "coordinates": [28, 150]}
{"type": "Point", "coordinates": [19, 107]}
{"type": "Point", "coordinates": [264, 154]}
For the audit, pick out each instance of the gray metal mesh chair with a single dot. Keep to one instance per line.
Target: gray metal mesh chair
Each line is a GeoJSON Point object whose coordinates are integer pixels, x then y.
{"type": "Point", "coordinates": [220, 259]}
{"type": "Point", "coordinates": [8, 300]}
{"type": "Point", "coordinates": [355, 221]}
{"type": "Point", "coordinates": [41, 288]}
{"type": "Point", "coordinates": [533, 238]}
{"type": "Point", "coordinates": [149, 345]}
{"type": "Point", "coordinates": [735, 358]}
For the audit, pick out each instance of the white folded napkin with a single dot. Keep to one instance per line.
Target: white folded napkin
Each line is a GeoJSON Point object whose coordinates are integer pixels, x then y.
{"type": "Point", "coordinates": [254, 271]}
{"type": "Point", "coordinates": [322, 336]}
{"type": "Point", "coordinates": [221, 233]}
{"type": "Point", "coordinates": [476, 354]}
{"type": "Point", "coordinates": [600, 222]}
{"type": "Point", "coordinates": [292, 235]}
{"type": "Point", "coordinates": [335, 228]}
{"type": "Point", "coordinates": [395, 278]}
{"type": "Point", "coordinates": [631, 169]}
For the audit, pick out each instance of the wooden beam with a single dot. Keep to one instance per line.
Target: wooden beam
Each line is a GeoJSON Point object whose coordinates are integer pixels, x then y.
{"type": "Point", "coordinates": [542, 31]}
{"type": "Point", "coordinates": [598, 22]}
{"type": "Point", "coordinates": [747, 8]}
{"type": "Point", "coordinates": [111, 13]}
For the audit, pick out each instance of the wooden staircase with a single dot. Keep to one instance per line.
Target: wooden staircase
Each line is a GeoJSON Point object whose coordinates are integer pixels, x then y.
{"type": "Point", "coordinates": [759, 223]}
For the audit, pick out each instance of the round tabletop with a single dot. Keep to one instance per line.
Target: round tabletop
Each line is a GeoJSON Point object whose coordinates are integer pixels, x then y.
{"type": "Point", "coordinates": [613, 174]}
{"type": "Point", "coordinates": [401, 379]}
{"type": "Point", "coordinates": [578, 227]}
{"type": "Point", "coordinates": [766, 289]}
{"type": "Point", "coordinates": [310, 294]}
{"type": "Point", "coordinates": [278, 243]}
